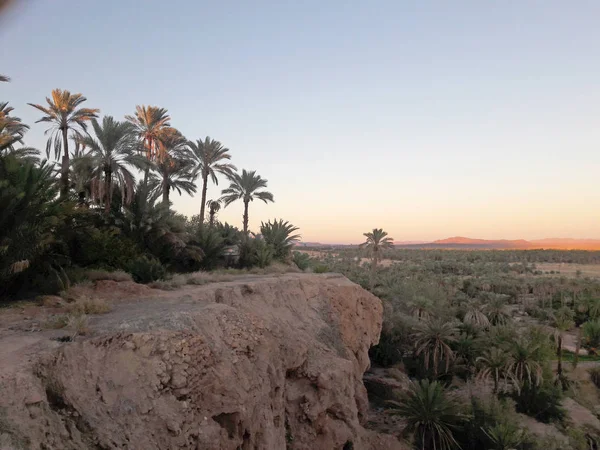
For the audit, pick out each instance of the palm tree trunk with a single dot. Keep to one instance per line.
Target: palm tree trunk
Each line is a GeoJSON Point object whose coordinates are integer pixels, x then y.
{"type": "Point", "coordinates": [245, 218]}
{"type": "Point", "coordinates": [211, 221]}
{"type": "Point", "coordinates": [107, 190]}
{"type": "Point", "coordinates": [64, 169]}
{"type": "Point", "coordinates": [559, 355]}
{"type": "Point", "coordinates": [203, 203]}
{"type": "Point", "coordinates": [165, 191]}
{"type": "Point", "coordinates": [577, 348]}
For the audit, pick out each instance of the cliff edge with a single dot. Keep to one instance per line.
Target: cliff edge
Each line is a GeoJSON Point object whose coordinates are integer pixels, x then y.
{"type": "Point", "coordinates": [271, 362]}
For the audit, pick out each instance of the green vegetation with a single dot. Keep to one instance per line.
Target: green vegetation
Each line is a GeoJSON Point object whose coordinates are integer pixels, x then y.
{"type": "Point", "coordinates": [484, 336]}
{"type": "Point", "coordinates": [107, 207]}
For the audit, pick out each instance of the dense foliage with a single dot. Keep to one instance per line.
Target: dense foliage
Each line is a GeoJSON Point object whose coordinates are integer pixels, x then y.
{"type": "Point", "coordinates": [107, 206]}
{"type": "Point", "coordinates": [480, 333]}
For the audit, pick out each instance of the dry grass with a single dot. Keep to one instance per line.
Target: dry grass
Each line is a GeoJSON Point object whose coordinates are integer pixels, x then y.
{"type": "Point", "coordinates": [117, 275]}
{"type": "Point", "coordinates": [56, 322]}
{"type": "Point", "coordinates": [88, 305]}
{"type": "Point", "coordinates": [570, 269]}
{"type": "Point", "coordinates": [78, 324]}
{"type": "Point", "coordinates": [220, 276]}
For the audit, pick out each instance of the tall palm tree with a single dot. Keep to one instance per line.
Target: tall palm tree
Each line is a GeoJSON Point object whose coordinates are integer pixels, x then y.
{"type": "Point", "coordinates": [111, 154]}
{"type": "Point", "coordinates": [432, 339]}
{"type": "Point", "coordinates": [563, 321]}
{"type": "Point", "coordinates": [214, 206]}
{"type": "Point", "coordinates": [245, 187]}
{"type": "Point", "coordinates": [431, 415]}
{"type": "Point", "coordinates": [175, 169]}
{"type": "Point", "coordinates": [65, 116]}
{"type": "Point", "coordinates": [377, 240]}
{"type": "Point", "coordinates": [493, 365]}
{"type": "Point", "coordinates": [210, 158]}
{"type": "Point", "coordinates": [152, 125]}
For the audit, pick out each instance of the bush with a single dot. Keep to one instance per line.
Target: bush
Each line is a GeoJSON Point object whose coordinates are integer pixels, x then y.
{"type": "Point", "coordinates": [591, 334]}
{"type": "Point", "coordinates": [212, 244]}
{"type": "Point", "coordinates": [302, 260]}
{"type": "Point", "coordinates": [103, 248]}
{"type": "Point", "coordinates": [146, 269]}
{"type": "Point", "coordinates": [96, 275]}
{"type": "Point", "coordinates": [492, 424]}
{"type": "Point", "coordinates": [278, 235]}
{"type": "Point", "coordinates": [321, 268]}
{"type": "Point", "coordinates": [255, 252]}
{"type": "Point", "coordinates": [595, 376]}
{"type": "Point", "coordinates": [542, 402]}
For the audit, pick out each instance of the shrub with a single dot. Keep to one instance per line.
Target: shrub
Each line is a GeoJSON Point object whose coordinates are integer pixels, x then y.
{"type": "Point", "coordinates": [146, 269]}
{"type": "Point", "coordinates": [591, 334]}
{"type": "Point", "coordinates": [321, 268]}
{"type": "Point", "coordinates": [212, 244]}
{"type": "Point", "coordinates": [56, 322]}
{"type": "Point", "coordinates": [78, 324]}
{"type": "Point", "coordinates": [431, 414]}
{"type": "Point", "coordinates": [105, 248]}
{"type": "Point", "coordinates": [278, 235]}
{"type": "Point", "coordinates": [96, 275]}
{"type": "Point", "coordinates": [85, 305]}
{"type": "Point", "coordinates": [30, 215]}
{"type": "Point", "coordinates": [492, 425]}
{"type": "Point", "coordinates": [255, 252]}
{"type": "Point", "coordinates": [595, 376]}
{"type": "Point", "coordinates": [542, 402]}
{"type": "Point", "coordinates": [302, 260]}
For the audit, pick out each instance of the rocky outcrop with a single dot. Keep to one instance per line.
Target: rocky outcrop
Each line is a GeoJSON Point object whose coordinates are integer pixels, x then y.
{"type": "Point", "coordinates": [257, 363]}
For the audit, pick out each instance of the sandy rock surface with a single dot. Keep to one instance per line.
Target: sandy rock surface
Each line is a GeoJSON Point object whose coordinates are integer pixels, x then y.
{"type": "Point", "coordinates": [272, 362]}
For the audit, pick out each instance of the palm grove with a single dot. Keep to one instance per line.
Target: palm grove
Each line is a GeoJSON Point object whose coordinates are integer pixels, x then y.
{"type": "Point", "coordinates": [106, 203]}
{"type": "Point", "coordinates": [478, 337]}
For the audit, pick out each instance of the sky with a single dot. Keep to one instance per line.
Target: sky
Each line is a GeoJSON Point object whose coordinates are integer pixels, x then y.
{"type": "Point", "coordinates": [428, 119]}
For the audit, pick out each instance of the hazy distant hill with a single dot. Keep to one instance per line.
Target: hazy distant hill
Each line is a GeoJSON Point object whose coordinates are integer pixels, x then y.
{"type": "Point", "coordinates": [460, 242]}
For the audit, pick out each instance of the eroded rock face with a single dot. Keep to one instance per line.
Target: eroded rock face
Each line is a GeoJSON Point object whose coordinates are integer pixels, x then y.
{"type": "Point", "coordinates": [258, 363]}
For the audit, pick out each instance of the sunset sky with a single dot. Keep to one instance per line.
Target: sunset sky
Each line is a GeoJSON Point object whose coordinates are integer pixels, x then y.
{"type": "Point", "coordinates": [429, 119]}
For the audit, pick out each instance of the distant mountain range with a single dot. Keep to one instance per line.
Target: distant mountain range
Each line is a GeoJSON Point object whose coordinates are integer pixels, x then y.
{"type": "Point", "coordinates": [465, 243]}
{"type": "Point", "coordinates": [460, 242]}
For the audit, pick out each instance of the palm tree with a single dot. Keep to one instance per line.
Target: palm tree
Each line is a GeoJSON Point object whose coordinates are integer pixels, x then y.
{"type": "Point", "coordinates": [110, 153]}
{"type": "Point", "coordinates": [29, 215]}
{"type": "Point", "coordinates": [151, 125]}
{"type": "Point", "coordinates": [432, 339]}
{"type": "Point", "coordinates": [421, 307]}
{"type": "Point", "coordinates": [493, 365]}
{"type": "Point", "coordinates": [245, 187]}
{"type": "Point", "coordinates": [524, 363]}
{"type": "Point", "coordinates": [495, 309]}
{"type": "Point", "coordinates": [377, 240]}
{"type": "Point", "coordinates": [64, 115]}
{"type": "Point", "coordinates": [504, 435]}
{"type": "Point", "coordinates": [563, 321]}
{"type": "Point", "coordinates": [431, 415]}
{"type": "Point", "coordinates": [175, 169]}
{"type": "Point", "coordinates": [475, 316]}
{"type": "Point", "coordinates": [210, 156]}
{"type": "Point", "coordinates": [214, 207]}
{"type": "Point", "coordinates": [12, 131]}
{"type": "Point", "coordinates": [278, 235]}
